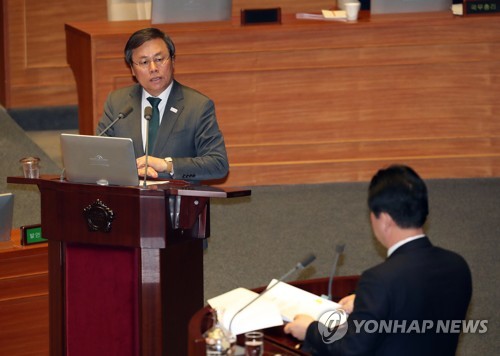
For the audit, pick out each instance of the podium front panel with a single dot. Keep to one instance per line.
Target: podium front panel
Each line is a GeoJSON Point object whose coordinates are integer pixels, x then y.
{"type": "Point", "coordinates": [102, 300]}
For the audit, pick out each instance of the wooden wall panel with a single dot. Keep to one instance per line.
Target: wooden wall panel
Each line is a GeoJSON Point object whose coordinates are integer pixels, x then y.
{"type": "Point", "coordinates": [311, 101]}
{"type": "Point", "coordinates": [360, 170]}
{"type": "Point", "coordinates": [36, 67]}
{"type": "Point", "coordinates": [35, 72]}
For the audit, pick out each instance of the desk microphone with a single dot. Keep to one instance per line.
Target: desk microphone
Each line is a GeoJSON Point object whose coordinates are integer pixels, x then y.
{"type": "Point", "coordinates": [301, 265]}
{"type": "Point", "coordinates": [148, 113]}
{"type": "Point", "coordinates": [339, 249]}
{"type": "Point", "coordinates": [121, 115]}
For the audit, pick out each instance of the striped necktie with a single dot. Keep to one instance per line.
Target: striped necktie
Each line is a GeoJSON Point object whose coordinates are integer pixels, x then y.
{"type": "Point", "coordinates": [154, 124]}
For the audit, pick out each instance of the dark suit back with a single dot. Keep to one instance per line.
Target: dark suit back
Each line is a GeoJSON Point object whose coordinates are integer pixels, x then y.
{"type": "Point", "coordinates": [418, 282]}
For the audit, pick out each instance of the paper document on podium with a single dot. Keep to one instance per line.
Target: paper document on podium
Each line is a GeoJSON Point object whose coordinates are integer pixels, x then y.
{"type": "Point", "coordinates": [292, 301]}
{"type": "Point", "coordinates": [259, 315]}
{"type": "Point", "coordinates": [281, 302]}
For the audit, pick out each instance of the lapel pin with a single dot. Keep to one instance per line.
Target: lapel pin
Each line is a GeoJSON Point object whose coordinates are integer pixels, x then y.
{"type": "Point", "coordinates": [174, 110]}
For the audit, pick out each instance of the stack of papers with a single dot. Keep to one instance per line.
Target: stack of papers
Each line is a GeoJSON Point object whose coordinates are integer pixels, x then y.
{"type": "Point", "coordinates": [457, 9]}
{"type": "Point", "coordinates": [282, 302]}
{"type": "Point", "coordinates": [334, 15]}
{"type": "Point", "coordinates": [328, 15]}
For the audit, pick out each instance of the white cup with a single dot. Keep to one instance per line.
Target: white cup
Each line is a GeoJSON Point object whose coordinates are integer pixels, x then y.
{"type": "Point", "coordinates": [352, 10]}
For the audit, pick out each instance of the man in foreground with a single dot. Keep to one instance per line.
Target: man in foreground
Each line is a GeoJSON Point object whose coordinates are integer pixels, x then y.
{"type": "Point", "coordinates": [417, 285]}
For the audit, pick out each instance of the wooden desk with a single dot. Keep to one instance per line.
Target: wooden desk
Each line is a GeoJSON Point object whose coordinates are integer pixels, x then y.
{"type": "Point", "coordinates": [276, 341]}
{"type": "Point", "coordinates": [24, 312]}
{"type": "Point", "coordinates": [317, 101]}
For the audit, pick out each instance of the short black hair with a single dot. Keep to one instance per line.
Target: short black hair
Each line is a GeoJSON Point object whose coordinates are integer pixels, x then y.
{"type": "Point", "coordinates": [400, 192]}
{"type": "Point", "coordinates": [138, 38]}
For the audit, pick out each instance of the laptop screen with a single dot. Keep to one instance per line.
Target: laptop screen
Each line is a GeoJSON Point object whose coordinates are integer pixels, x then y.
{"type": "Point", "coordinates": [6, 215]}
{"type": "Point", "coordinates": [172, 11]}
{"type": "Point", "coordinates": [400, 6]}
{"type": "Point", "coordinates": [99, 160]}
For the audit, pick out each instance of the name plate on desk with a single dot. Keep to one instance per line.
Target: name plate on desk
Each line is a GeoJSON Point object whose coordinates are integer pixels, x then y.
{"type": "Point", "coordinates": [481, 7]}
{"type": "Point", "coordinates": [31, 234]}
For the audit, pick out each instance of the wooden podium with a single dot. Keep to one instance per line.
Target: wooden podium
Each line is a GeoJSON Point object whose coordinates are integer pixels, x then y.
{"type": "Point", "coordinates": [125, 264]}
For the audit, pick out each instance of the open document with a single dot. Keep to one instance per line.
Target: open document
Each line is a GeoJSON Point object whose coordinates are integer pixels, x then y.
{"type": "Point", "coordinates": [280, 303]}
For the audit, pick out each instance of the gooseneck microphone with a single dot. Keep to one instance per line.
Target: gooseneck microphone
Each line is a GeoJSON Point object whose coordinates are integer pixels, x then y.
{"type": "Point", "coordinates": [301, 265]}
{"type": "Point", "coordinates": [339, 249]}
{"type": "Point", "coordinates": [148, 113]}
{"type": "Point", "coordinates": [121, 115]}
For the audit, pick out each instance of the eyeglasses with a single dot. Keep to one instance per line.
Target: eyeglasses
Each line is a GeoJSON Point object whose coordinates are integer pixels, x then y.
{"type": "Point", "coordinates": [158, 61]}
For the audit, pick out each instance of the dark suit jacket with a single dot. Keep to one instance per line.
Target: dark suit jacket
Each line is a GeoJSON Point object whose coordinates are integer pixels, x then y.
{"type": "Point", "coordinates": [417, 282]}
{"type": "Point", "coordinates": [189, 132]}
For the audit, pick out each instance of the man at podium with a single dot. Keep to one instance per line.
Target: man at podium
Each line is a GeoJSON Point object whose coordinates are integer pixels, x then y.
{"type": "Point", "coordinates": [176, 123]}
{"type": "Point", "coordinates": [403, 306]}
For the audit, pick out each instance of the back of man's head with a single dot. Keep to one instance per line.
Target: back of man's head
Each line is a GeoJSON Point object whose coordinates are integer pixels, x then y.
{"type": "Point", "coordinates": [400, 192]}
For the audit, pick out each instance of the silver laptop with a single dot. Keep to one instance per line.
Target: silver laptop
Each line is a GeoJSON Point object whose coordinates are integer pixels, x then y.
{"type": "Point", "coordinates": [99, 160]}
{"type": "Point", "coordinates": [172, 11]}
{"type": "Point", "coordinates": [399, 6]}
{"type": "Point", "coordinates": [6, 215]}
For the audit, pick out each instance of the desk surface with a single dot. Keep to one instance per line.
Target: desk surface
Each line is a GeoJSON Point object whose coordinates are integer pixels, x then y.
{"type": "Point", "coordinates": [14, 246]}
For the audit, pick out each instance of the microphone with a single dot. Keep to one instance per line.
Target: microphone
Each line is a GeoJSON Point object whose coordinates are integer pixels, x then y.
{"type": "Point", "coordinates": [339, 249]}
{"type": "Point", "coordinates": [121, 115]}
{"type": "Point", "coordinates": [301, 265]}
{"type": "Point", "coordinates": [61, 176]}
{"type": "Point", "coordinates": [148, 113]}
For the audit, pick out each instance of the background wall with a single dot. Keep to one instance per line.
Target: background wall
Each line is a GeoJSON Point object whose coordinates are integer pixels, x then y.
{"type": "Point", "coordinates": [14, 145]}
{"type": "Point", "coordinates": [35, 69]}
{"type": "Point", "coordinates": [35, 50]}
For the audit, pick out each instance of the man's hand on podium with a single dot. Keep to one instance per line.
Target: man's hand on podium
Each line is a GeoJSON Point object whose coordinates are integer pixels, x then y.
{"type": "Point", "coordinates": [155, 165]}
{"type": "Point", "coordinates": [298, 327]}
